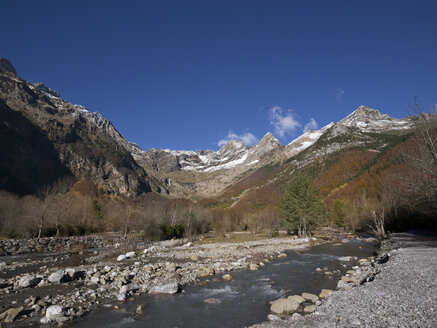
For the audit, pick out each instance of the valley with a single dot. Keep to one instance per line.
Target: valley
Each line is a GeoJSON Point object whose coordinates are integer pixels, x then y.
{"type": "Point", "coordinates": [108, 232]}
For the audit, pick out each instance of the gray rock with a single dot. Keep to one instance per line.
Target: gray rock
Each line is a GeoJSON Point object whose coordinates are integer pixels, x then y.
{"type": "Point", "coordinates": [309, 308]}
{"type": "Point", "coordinates": [57, 277]}
{"type": "Point", "coordinates": [11, 314]}
{"type": "Point", "coordinates": [28, 281]}
{"type": "Point", "coordinates": [310, 297]}
{"type": "Point", "coordinates": [324, 293]}
{"type": "Point", "coordinates": [272, 317]}
{"type": "Point", "coordinates": [130, 255]}
{"type": "Point", "coordinates": [295, 316]}
{"type": "Point", "coordinates": [284, 306]}
{"type": "Point", "coordinates": [121, 257]}
{"type": "Point", "coordinates": [170, 288]}
{"type": "Point", "coordinates": [345, 258]}
{"type": "Point", "coordinates": [296, 298]}
{"type": "Point", "coordinates": [55, 313]}
{"type": "Point", "coordinates": [95, 280]}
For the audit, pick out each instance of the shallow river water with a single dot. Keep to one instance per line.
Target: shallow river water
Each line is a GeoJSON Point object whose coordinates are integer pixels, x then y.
{"type": "Point", "coordinates": [238, 303]}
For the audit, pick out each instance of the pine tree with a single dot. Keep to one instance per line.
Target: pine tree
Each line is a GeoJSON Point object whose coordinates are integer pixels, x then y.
{"type": "Point", "coordinates": [301, 205]}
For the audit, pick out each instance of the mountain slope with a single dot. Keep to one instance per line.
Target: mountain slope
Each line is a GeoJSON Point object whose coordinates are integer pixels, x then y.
{"type": "Point", "coordinates": [45, 137]}
{"type": "Point", "coordinates": [86, 144]}
{"type": "Point", "coordinates": [343, 150]}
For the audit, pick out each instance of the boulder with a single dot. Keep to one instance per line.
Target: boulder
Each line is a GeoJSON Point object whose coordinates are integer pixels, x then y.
{"type": "Point", "coordinates": [272, 317]}
{"type": "Point", "coordinates": [11, 314]}
{"type": "Point", "coordinates": [341, 284]}
{"type": "Point", "coordinates": [296, 298]}
{"type": "Point", "coordinates": [383, 259]}
{"type": "Point", "coordinates": [346, 279]}
{"type": "Point", "coordinates": [309, 308]}
{"type": "Point", "coordinates": [295, 316]}
{"type": "Point", "coordinates": [54, 313]}
{"type": "Point", "coordinates": [324, 293]}
{"type": "Point", "coordinates": [28, 281]}
{"type": "Point", "coordinates": [310, 297]}
{"type": "Point", "coordinates": [139, 309]}
{"type": "Point", "coordinates": [95, 280]}
{"type": "Point", "coordinates": [253, 267]}
{"type": "Point", "coordinates": [170, 288]}
{"type": "Point", "coordinates": [345, 258]}
{"type": "Point", "coordinates": [121, 257]}
{"type": "Point", "coordinates": [130, 255]}
{"type": "Point", "coordinates": [227, 277]}
{"type": "Point", "coordinates": [79, 275]}
{"type": "Point", "coordinates": [58, 276]}
{"type": "Point", "coordinates": [123, 293]}
{"type": "Point", "coordinates": [284, 306]}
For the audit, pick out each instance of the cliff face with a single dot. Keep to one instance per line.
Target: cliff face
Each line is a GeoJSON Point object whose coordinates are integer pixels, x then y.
{"type": "Point", "coordinates": [45, 137]}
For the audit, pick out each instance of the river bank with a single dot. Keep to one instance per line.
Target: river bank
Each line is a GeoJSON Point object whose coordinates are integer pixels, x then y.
{"type": "Point", "coordinates": [403, 293]}
{"type": "Point", "coordinates": [61, 287]}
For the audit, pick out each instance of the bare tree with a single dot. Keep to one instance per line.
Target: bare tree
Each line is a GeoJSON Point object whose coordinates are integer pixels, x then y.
{"type": "Point", "coordinates": [38, 208]}
{"type": "Point", "coordinates": [378, 223]}
{"type": "Point", "coordinates": [60, 206]}
{"type": "Point", "coordinates": [189, 218]}
{"type": "Point", "coordinates": [420, 177]}
{"type": "Point", "coordinates": [130, 212]}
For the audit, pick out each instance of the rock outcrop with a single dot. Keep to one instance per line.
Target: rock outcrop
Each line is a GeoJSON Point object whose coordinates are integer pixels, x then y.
{"type": "Point", "coordinates": [7, 66]}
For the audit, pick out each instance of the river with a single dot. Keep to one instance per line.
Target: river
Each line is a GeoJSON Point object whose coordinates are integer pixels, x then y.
{"type": "Point", "coordinates": [238, 303]}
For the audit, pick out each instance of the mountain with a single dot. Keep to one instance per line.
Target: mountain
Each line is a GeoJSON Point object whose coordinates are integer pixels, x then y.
{"type": "Point", "coordinates": [371, 120]}
{"type": "Point", "coordinates": [339, 156]}
{"type": "Point", "coordinates": [45, 137]}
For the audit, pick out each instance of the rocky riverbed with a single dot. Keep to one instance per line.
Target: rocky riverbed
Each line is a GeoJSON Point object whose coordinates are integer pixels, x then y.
{"type": "Point", "coordinates": [397, 290]}
{"type": "Point", "coordinates": [52, 290]}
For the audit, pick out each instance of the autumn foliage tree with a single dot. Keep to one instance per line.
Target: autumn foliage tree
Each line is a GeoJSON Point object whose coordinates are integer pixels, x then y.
{"type": "Point", "coordinates": [301, 206]}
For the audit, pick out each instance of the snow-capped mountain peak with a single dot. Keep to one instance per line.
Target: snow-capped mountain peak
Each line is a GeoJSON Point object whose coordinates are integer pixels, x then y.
{"type": "Point", "coordinates": [372, 120]}
{"type": "Point", "coordinates": [269, 141]}
{"type": "Point", "coordinates": [232, 146]}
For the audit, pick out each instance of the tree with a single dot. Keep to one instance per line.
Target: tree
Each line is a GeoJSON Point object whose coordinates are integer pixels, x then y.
{"type": "Point", "coordinates": [61, 200]}
{"type": "Point", "coordinates": [301, 205]}
{"type": "Point", "coordinates": [38, 208]}
{"type": "Point", "coordinates": [129, 213]}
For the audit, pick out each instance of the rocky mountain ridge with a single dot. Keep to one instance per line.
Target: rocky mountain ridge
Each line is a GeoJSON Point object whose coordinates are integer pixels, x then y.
{"type": "Point", "coordinates": [90, 148]}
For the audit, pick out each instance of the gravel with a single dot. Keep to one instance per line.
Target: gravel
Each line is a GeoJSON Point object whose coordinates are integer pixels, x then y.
{"type": "Point", "coordinates": [403, 294]}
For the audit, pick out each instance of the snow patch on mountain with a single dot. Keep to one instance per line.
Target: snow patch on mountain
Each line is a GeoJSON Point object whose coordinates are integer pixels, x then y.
{"type": "Point", "coordinates": [305, 140]}
{"type": "Point", "coordinates": [372, 120]}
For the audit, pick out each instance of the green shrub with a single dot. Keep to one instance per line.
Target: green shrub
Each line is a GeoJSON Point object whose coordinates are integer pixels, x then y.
{"type": "Point", "coordinates": [172, 232]}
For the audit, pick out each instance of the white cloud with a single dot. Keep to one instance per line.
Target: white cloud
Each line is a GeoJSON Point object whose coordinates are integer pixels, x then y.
{"type": "Point", "coordinates": [283, 122]}
{"type": "Point", "coordinates": [247, 138]}
{"type": "Point", "coordinates": [339, 94]}
{"type": "Point", "coordinates": [311, 125]}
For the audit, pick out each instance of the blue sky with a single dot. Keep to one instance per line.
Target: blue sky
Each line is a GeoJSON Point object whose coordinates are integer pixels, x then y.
{"type": "Point", "coordinates": [190, 74]}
